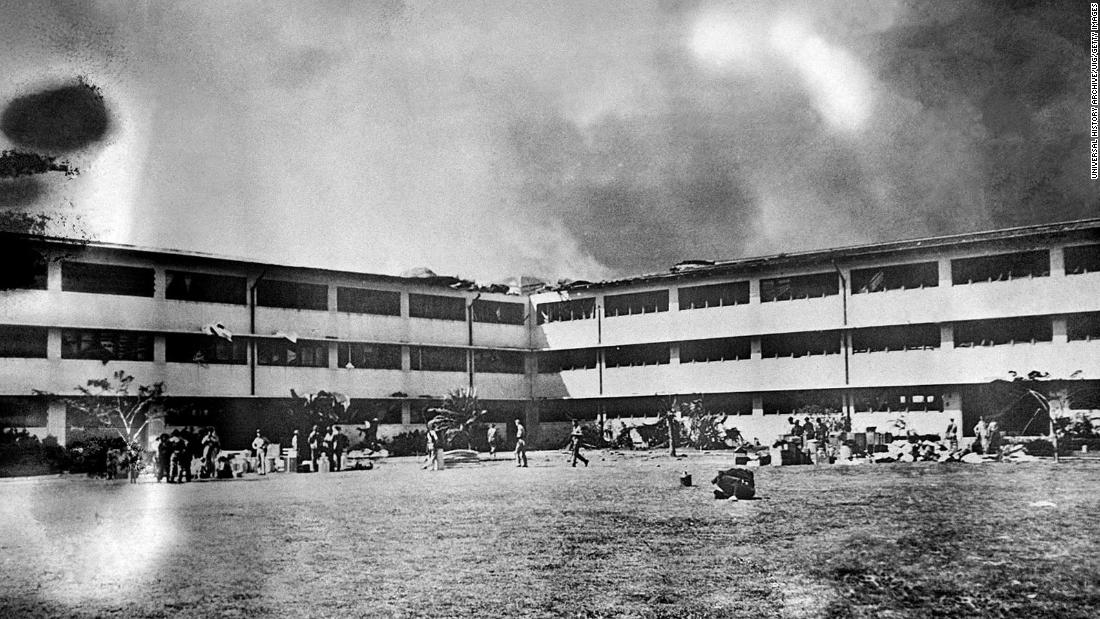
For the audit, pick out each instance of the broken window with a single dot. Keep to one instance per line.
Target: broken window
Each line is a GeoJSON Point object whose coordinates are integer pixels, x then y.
{"type": "Point", "coordinates": [303, 353]}
{"type": "Point", "coordinates": [637, 354]}
{"type": "Point", "coordinates": [799, 287]}
{"type": "Point", "coordinates": [291, 295]}
{"type": "Point", "coordinates": [897, 277]}
{"type": "Point", "coordinates": [437, 307]}
{"type": "Point", "coordinates": [636, 303]}
{"type": "Point", "coordinates": [727, 403]}
{"type": "Point", "coordinates": [22, 341]}
{"type": "Point", "coordinates": [896, 400]}
{"type": "Point", "coordinates": [437, 359]}
{"type": "Point", "coordinates": [1083, 326]}
{"type": "Point", "coordinates": [574, 309]}
{"type": "Point", "coordinates": [1001, 267]}
{"type": "Point", "coordinates": [366, 301]}
{"type": "Point", "coordinates": [556, 361]}
{"type": "Point", "coordinates": [789, 402]}
{"type": "Point", "coordinates": [498, 362]}
{"type": "Point", "coordinates": [103, 345]}
{"type": "Point", "coordinates": [714, 295]}
{"type": "Point", "coordinates": [361, 409]}
{"type": "Point", "coordinates": [355, 355]}
{"type": "Point", "coordinates": [498, 312]}
{"type": "Point", "coordinates": [23, 412]}
{"type": "Point", "coordinates": [25, 265]}
{"type": "Point", "coordinates": [900, 337]}
{"type": "Point", "coordinates": [998, 331]}
{"type": "Point", "coordinates": [800, 344]}
{"type": "Point", "coordinates": [720, 349]}
{"type": "Point", "coordinates": [188, 348]}
{"type": "Point", "coordinates": [106, 279]}
{"type": "Point", "coordinates": [1082, 259]}
{"type": "Point", "coordinates": [205, 287]}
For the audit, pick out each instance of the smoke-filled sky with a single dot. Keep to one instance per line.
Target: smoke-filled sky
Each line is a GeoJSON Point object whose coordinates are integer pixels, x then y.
{"type": "Point", "coordinates": [558, 139]}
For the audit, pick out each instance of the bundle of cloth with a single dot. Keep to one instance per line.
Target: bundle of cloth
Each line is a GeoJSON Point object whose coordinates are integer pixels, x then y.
{"type": "Point", "coordinates": [734, 483]}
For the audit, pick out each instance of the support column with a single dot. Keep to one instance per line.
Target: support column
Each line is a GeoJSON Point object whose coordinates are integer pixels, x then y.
{"type": "Point", "coordinates": [56, 421]}
{"type": "Point", "coordinates": [944, 266]}
{"type": "Point", "coordinates": [1057, 262]}
{"type": "Point", "coordinates": [333, 353]}
{"type": "Point", "coordinates": [160, 283]}
{"type": "Point", "coordinates": [53, 275]}
{"type": "Point", "coordinates": [53, 343]}
{"type": "Point", "coordinates": [673, 299]}
{"type": "Point", "coordinates": [947, 336]}
{"type": "Point", "coordinates": [406, 413]}
{"type": "Point", "coordinates": [160, 354]}
{"type": "Point", "coordinates": [1059, 328]}
{"type": "Point", "coordinates": [333, 301]}
{"type": "Point", "coordinates": [757, 405]}
{"type": "Point", "coordinates": [755, 351]}
{"type": "Point", "coordinates": [531, 417]}
{"type": "Point", "coordinates": [674, 353]}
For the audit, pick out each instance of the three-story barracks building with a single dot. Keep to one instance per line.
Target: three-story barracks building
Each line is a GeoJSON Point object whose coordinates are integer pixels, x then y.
{"type": "Point", "coordinates": [910, 330]}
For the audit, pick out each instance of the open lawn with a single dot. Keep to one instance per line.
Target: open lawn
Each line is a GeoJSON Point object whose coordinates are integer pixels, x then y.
{"type": "Point", "coordinates": [620, 538]}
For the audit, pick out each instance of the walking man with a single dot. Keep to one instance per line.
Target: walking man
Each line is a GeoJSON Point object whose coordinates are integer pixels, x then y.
{"type": "Point", "coordinates": [521, 445]}
{"type": "Point", "coordinates": [575, 438]}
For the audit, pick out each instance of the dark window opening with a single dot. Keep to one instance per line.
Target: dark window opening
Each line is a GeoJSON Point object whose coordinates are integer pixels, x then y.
{"type": "Point", "coordinates": [560, 311]}
{"type": "Point", "coordinates": [20, 341]}
{"type": "Point", "coordinates": [187, 348]}
{"type": "Point", "coordinates": [498, 362]}
{"type": "Point", "coordinates": [896, 400]}
{"type": "Point", "coordinates": [898, 277]}
{"type": "Point", "coordinates": [365, 301]}
{"type": "Point", "coordinates": [304, 353]}
{"type": "Point", "coordinates": [437, 359]}
{"type": "Point", "coordinates": [106, 279]}
{"type": "Point", "coordinates": [291, 295]}
{"type": "Point", "coordinates": [23, 412]}
{"type": "Point", "coordinates": [437, 307]}
{"type": "Point", "coordinates": [498, 312]}
{"type": "Point", "coordinates": [799, 287]}
{"type": "Point", "coordinates": [566, 360]}
{"type": "Point", "coordinates": [205, 287]}
{"type": "Point", "coordinates": [1082, 259]}
{"type": "Point", "coordinates": [1083, 326]}
{"type": "Point", "coordinates": [1001, 267]}
{"type": "Point", "coordinates": [789, 402]}
{"type": "Point", "coordinates": [725, 403]}
{"type": "Point", "coordinates": [364, 409]}
{"type": "Point", "coordinates": [636, 303]}
{"type": "Point", "coordinates": [637, 354]}
{"type": "Point", "coordinates": [722, 349]}
{"type": "Point", "coordinates": [800, 344]}
{"type": "Point", "coordinates": [106, 345]}
{"type": "Point", "coordinates": [354, 355]}
{"type": "Point", "coordinates": [900, 337]}
{"type": "Point", "coordinates": [25, 266]}
{"type": "Point", "coordinates": [715, 295]}
{"type": "Point", "coordinates": [1025, 330]}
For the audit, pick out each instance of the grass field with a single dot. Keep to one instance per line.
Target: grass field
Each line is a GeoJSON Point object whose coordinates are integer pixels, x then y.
{"type": "Point", "coordinates": [621, 538]}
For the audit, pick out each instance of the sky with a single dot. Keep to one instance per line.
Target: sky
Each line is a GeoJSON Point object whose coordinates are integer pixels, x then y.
{"type": "Point", "coordinates": [579, 140]}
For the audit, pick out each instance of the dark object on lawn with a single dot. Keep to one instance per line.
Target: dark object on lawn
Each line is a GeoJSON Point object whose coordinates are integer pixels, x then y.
{"type": "Point", "coordinates": [739, 483]}
{"type": "Point", "coordinates": [685, 479]}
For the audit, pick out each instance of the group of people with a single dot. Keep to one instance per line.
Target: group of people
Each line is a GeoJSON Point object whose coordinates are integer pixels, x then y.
{"type": "Point", "coordinates": [987, 437]}
{"type": "Point", "coordinates": [326, 449]}
{"type": "Point", "coordinates": [176, 451]}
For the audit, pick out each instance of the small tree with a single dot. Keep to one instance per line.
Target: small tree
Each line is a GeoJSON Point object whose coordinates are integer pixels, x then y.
{"type": "Point", "coordinates": [117, 404]}
{"type": "Point", "coordinates": [456, 417]}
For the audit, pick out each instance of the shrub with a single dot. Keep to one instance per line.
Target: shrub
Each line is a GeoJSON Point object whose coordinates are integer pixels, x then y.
{"type": "Point", "coordinates": [408, 443]}
{"type": "Point", "coordinates": [21, 453]}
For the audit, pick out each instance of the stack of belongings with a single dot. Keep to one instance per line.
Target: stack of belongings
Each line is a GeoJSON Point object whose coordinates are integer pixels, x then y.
{"type": "Point", "coordinates": [1016, 453]}
{"type": "Point", "coordinates": [461, 456]}
{"type": "Point", "coordinates": [738, 484]}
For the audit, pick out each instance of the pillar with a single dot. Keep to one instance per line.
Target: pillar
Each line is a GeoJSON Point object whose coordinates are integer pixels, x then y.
{"type": "Point", "coordinates": [160, 283]}
{"type": "Point", "coordinates": [406, 413]}
{"type": "Point", "coordinates": [674, 299]}
{"type": "Point", "coordinates": [1057, 262]}
{"type": "Point", "coordinates": [531, 421]}
{"type": "Point", "coordinates": [947, 336]}
{"type": "Point", "coordinates": [944, 265]}
{"type": "Point", "coordinates": [333, 352]}
{"type": "Point", "coordinates": [53, 275]}
{"type": "Point", "coordinates": [57, 421]}
{"type": "Point", "coordinates": [755, 351]}
{"type": "Point", "coordinates": [757, 405]}
{"type": "Point", "coordinates": [1061, 336]}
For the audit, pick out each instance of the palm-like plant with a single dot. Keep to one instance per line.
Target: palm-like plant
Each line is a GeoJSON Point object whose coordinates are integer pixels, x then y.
{"type": "Point", "coordinates": [459, 411]}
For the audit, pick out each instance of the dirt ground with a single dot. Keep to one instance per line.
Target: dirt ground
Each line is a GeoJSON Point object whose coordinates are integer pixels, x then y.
{"type": "Point", "coordinates": [621, 538]}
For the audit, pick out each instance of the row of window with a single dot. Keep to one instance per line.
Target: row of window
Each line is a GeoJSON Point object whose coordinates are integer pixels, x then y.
{"type": "Point", "coordinates": [1014, 265]}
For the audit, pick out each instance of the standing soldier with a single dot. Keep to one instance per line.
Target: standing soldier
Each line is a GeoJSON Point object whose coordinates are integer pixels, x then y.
{"type": "Point", "coordinates": [492, 437]}
{"type": "Point", "coordinates": [575, 438]}
{"type": "Point", "coordinates": [521, 445]}
{"type": "Point", "coordinates": [314, 442]}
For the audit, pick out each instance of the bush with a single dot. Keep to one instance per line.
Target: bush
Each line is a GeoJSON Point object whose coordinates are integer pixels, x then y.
{"type": "Point", "coordinates": [89, 455]}
{"type": "Point", "coordinates": [21, 453]}
{"type": "Point", "coordinates": [408, 443]}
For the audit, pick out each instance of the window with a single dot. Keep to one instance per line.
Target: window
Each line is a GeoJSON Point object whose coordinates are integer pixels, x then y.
{"type": "Point", "coordinates": [304, 353]}
{"type": "Point", "coordinates": [565, 360]}
{"type": "Point", "coordinates": [723, 349]}
{"type": "Point", "coordinates": [25, 266]}
{"type": "Point", "coordinates": [498, 362]}
{"type": "Point", "coordinates": [204, 287]}
{"type": "Point", "coordinates": [106, 279]}
{"type": "Point", "coordinates": [20, 341]}
{"type": "Point", "coordinates": [896, 399]}
{"type": "Point", "coordinates": [1082, 259]}
{"type": "Point", "coordinates": [365, 301]}
{"type": "Point", "coordinates": [437, 359]}
{"type": "Point", "coordinates": [497, 312]}
{"type": "Point", "coordinates": [1000, 267]}
{"type": "Point", "coordinates": [352, 355]}
{"type": "Point", "coordinates": [715, 295]}
{"type": "Point", "coordinates": [22, 412]}
{"type": "Point", "coordinates": [106, 345]}
{"type": "Point", "coordinates": [188, 348]}
{"type": "Point", "coordinates": [901, 337]}
{"type": "Point", "coordinates": [800, 344]}
{"type": "Point", "coordinates": [636, 303]}
{"type": "Point", "coordinates": [439, 308]}
{"type": "Point", "coordinates": [1083, 326]}
{"type": "Point", "coordinates": [799, 287]}
{"type": "Point", "coordinates": [291, 295]}
{"type": "Point", "coordinates": [727, 403]}
{"type": "Point", "coordinates": [898, 277]}
{"type": "Point", "coordinates": [789, 402]}
{"type": "Point", "coordinates": [560, 311]}
{"type": "Point", "coordinates": [637, 354]}
{"type": "Point", "coordinates": [1029, 329]}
